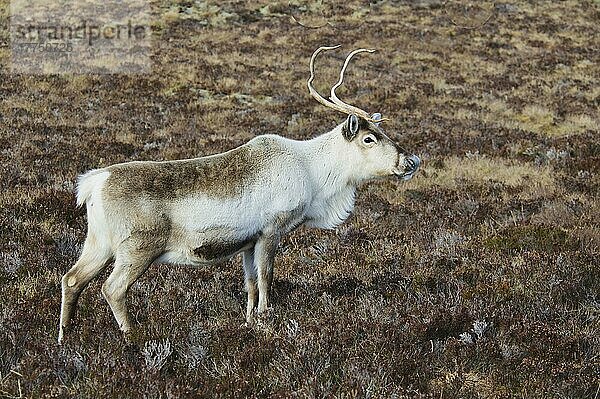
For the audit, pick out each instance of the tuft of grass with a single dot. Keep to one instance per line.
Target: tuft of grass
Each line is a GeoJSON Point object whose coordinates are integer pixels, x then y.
{"type": "Point", "coordinates": [577, 124]}
{"type": "Point", "coordinates": [542, 121]}
{"type": "Point", "coordinates": [536, 119]}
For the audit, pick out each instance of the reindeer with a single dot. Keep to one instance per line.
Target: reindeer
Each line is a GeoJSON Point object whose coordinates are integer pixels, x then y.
{"type": "Point", "coordinates": [205, 210]}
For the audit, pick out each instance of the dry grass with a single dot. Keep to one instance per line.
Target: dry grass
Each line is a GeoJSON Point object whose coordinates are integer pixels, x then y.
{"type": "Point", "coordinates": [478, 278]}
{"type": "Point", "coordinates": [535, 119]}
{"type": "Point", "coordinates": [526, 180]}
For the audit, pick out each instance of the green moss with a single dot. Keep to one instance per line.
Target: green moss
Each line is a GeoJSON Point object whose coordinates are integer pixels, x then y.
{"type": "Point", "coordinates": [531, 238]}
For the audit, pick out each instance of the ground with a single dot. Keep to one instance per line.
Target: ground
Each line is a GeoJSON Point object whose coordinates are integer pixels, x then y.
{"type": "Point", "coordinates": [479, 278]}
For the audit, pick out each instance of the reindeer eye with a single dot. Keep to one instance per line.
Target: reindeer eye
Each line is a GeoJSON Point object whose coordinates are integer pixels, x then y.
{"type": "Point", "coordinates": [368, 140]}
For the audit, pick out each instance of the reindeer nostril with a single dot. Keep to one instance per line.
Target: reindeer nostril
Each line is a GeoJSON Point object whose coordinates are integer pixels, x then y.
{"type": "Point", "coordinates": [412, 163]}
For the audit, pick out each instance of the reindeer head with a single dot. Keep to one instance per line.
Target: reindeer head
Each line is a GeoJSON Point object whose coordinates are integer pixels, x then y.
{"type": "Point", "coordinates": [374, 153]}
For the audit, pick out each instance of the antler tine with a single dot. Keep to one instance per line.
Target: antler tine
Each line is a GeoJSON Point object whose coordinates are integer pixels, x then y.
{"type": "Point", "coordinates": [312, 90]}
{"type": "Point", "coordinates": [334, 98]}
{"type": "Point", "coordinates": [334, 102]}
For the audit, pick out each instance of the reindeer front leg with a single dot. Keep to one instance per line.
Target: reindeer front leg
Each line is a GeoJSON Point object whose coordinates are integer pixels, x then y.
{"type": "Point", "coordinates": [264, 255]}
{"type": "Point", "coordinates": [251, 281]}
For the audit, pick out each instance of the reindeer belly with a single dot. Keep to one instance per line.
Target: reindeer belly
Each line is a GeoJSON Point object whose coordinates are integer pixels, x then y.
{"type": "Point", "coordinates": [212, 251]}
{"type": "Point", "coordinates": [206, 247]}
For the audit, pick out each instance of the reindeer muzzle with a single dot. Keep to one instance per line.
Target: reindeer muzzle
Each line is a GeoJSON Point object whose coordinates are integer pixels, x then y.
{"type": "Point", "coordinates": [411, 165]}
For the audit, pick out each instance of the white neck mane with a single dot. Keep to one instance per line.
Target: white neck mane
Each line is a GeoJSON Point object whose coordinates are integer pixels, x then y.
{"type": "Point", "coordinates": [333, 197]}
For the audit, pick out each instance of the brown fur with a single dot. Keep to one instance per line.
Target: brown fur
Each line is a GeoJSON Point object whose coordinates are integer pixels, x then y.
{"type": "Point", "coordinates": [219, 249]}
{"type": "Point", "coordinates": [221, 175]}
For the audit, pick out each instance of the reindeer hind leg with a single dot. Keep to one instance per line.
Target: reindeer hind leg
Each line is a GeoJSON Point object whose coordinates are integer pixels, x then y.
{"type": "Point", "coordinates": [129, 266]}
{"type": "Point", "coordinates": [93, 259]}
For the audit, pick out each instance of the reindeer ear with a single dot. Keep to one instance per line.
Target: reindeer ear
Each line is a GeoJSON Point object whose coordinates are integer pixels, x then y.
{"type": "Point", "coordinates": [351, 127]}
{"type": "Point", "coordinates": [376, 117]}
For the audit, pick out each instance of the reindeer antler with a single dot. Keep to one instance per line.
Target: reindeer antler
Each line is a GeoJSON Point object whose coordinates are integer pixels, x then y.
{"type": "Point", "coordinates": [334, 102]}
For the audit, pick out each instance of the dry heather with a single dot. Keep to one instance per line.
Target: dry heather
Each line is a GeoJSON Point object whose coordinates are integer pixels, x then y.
{"type": "Point", "coordinates": [479, 278]}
